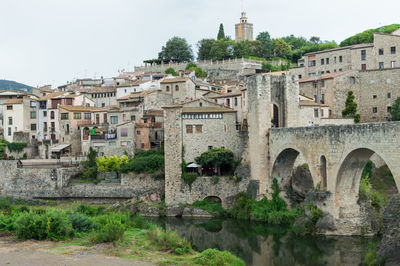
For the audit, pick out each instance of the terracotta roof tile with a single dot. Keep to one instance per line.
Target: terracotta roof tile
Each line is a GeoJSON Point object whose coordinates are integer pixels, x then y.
{"type": "Point", "coordinates": [14, 101]}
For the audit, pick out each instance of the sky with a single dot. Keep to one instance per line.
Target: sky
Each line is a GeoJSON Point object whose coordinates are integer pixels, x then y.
{"type": "Point", "coordinates": [55, 41]}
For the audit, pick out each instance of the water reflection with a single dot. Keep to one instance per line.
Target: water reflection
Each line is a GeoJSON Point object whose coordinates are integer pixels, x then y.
{"type": "Point", "coordinates": [260, 244]}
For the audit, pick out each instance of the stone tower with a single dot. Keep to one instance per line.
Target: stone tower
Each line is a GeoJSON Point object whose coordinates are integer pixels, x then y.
{"type": "Point", "coordinates": [243, 30]}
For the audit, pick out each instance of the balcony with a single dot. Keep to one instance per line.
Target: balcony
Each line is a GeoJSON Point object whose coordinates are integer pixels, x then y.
{"type": "Point", "coordinates": [98, 137]}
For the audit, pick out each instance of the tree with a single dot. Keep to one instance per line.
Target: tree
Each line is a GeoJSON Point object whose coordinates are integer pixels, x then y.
{"type": "Point", "coordinates": [395, 112]}
{"type": "Point", "coordinates": [222, 49]}
{"type": "Point", "coordinates": [171, 71]}
{"type": "Point", "coordinates": [204, 46]}
{"type": "Point", "coordinates": [216, 158]}
{"type": "Point", "coordinates": [242, 48]}
{"type": "Point", "coordinates": [267, 46]}
{"type": "Point", "coordinates": [281, 48]}
{"type": "Point", "coordinates": [296, 42]}
{"type": "Point", "coordinates": [176, 49]}
{"type": "Point", "coordinates": [350, 109]}
{"type": "Point", "coordinates": [199, 72]}
{"type": "Point", "coordinates": [111, 163]}
{"type": "Point", "coordinates": [315, 40]}
{"type": "Point", "coordinates": [221, 32]}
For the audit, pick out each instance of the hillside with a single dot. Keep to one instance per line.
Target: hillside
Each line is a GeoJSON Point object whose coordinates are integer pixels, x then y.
{"type": "Point", "coordinates": [368, 35]}
{"type": "Point", "coordinates": [12, 85]}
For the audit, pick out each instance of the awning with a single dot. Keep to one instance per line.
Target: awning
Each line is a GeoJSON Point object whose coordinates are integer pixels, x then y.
{"type": "Point", "coordinates": [59, 148]}
{"type": "Point", "coordinates": [193, 165]}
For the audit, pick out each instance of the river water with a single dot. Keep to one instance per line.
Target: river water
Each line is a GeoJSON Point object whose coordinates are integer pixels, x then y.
{"type": "Point", "coordinates": [261, 244]}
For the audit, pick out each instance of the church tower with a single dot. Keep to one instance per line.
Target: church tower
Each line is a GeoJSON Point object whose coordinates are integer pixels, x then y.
{"type": "Point", "coordinates": [243, 30]}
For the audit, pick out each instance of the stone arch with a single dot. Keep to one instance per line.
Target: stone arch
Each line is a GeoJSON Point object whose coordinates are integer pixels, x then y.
{"type": "Point", "coordinates": [283, 169]}
{"type": "Point", "coordinates": [214, 199]}
{"type": "Point", "coordinates": [348, 181]}
{"type": "Point", "coordinates": [86, 133]}
{"type": "Point", "coordinates": [323, 173]}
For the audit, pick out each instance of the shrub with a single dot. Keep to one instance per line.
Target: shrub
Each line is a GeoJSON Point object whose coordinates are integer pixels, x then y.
{"type": "Point", "coordinates": [16, 146]}
{"type": "Point", "coordinates": [372, 258]}
{"type": "Point", "coordinates": [52, 225]}
{"type": "Point", "coordinates": [189, 178]}
{"type": "Point", "coordinates": [81, 222]}
{"type": "Point", "coordinates": [210, 257]}
{"type": "Point", "coordinates": [112, 231]}
{"type": "Point", "coordinates": [7, 222]}
{"type": "Point", "coordinates": [167, 240]}
{"type": "Point", "coordinates": [145, 162]}
{"type": "Point", "coordinates": [140, 222]}
{"type": "Point", "coordinates": [88, 210]}
{"type": "Point", "coordinates": [216, 158]}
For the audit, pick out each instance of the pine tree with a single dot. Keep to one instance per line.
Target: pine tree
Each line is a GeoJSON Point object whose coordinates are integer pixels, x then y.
{"type": "Point", "coordinates": [221, 32]}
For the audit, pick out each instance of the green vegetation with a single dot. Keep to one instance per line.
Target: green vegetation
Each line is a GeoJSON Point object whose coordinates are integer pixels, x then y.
{"type": "Point", "coordinates": [368, 35]}
{"type": "Point", "coordinates": [395, 111]}
{"type": "Point", "coordinates": [89, 172]}
{"type": "Point", "coordinates": [272, 211]}
{"type": "Point", "coordinates": [111, 163]}
{"type": "Point", "coordinates": [150, 162]}
{"type": "Point", "coordinates": [350, 109]}
{"type": "Point", "coordinates": [218, 159]}
{"type": "Point", "coordinates": [176, 49]}
{"type": "Point", "coordinates": [307, 225]}
{"type": "Point", "coordinates": [267, 67]}
{"type": "Point", "coordinates": [372, 258]}
{"type": "Point", "coordinates": [131, 236]}
{"type": "Point", "coordinates": [199, 72]}
{"type": "Point", "coordinates": [215, 208]}
{"type": "Point", "coordinates": [16, 146]}
{"type": "Point", "coordinates": [221, 32]}
{"type": "Point", "coordinates": [171, 71]}
{"type": "Point", "coordinates": [12, 147]}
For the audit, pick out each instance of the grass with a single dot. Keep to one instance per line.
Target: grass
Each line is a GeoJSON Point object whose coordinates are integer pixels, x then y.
{"type": "Point", "coordinates": [215, 208]}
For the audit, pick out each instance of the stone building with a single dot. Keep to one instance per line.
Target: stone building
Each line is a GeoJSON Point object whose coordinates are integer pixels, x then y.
{"type": "Point", "coordinates": [6, 95]}
{"type": "Point", "coordinates": [232, 100]}
{"type": "Point", "coordinates": [102, 96]}
{"type": "Point", "coordinates": [20, 115]}
{"type": "Point", "coordinates": [243, 30]}
{"type": "Point", "coordinates": [149, 130]}
{"type": "Point", "coordinates": [180, 89]}
{"type": "Point", "coordinates": [381, 54]}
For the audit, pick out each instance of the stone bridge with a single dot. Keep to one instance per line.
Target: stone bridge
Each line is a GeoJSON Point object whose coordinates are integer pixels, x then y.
{"type": "Point", "coordinates": [336, 156]}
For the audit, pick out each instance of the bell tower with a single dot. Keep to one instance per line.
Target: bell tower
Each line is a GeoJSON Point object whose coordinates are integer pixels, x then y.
{"type": "Point", "coordinates": [243, 30]}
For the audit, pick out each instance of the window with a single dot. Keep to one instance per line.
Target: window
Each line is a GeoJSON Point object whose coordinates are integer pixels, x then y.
{"type": "Point", "coordinates": [112, 143]}
{"type": "Point", "coordinates": [123, 117]}
{"type": "Point", "coordinates": [393, 49]}
{"type": "Point", "coordinates": [327, 72]}
{"type": "Point", "coordinates": [363, 55]}
{"type": "Point", "coordinates": [133, 117]}
{"type": "Point", "coordinates": [103, 105]}
{"type": "Point", "coordinates": [45, 126]}
{"type": "Point", "coordinates": [389, 109]}
{"type": "Point", "coordinates": [201, 104]}
{"type": "Point", "coordinates": [9, 107]}
{"type": "Point", "coordinates": [64, 116]}
{"type": "Point", "coordinates": [315, 112]}
{"type": "Point", "coordinates": [322, 61]}
{"type": "Point", "coordinates": [236, 101]}
{"type": "Point", "coordinates": [228, 102]}
{"type": "Point", "coordinates": [189, 129]}
{"type": "Point", "coordinates": [389, 95]}
{"type": "Point", "coordinates": [327, 61]}
{"type": "Point", "coordinates": [334, 70]}
{"type": "Point", "coordinates": [10, 121]}
{"type": "Point", "coordinates": [374, 109]}
{"type": "Point", "coordinates": [142, 145]}
{"type": "Point", "coordinates": [311, 63]}
{"type": "Point", "coordinates": [374, 96]}
{"type": "Point", "coordinates": [323, 83]}
{"type": "Point", "coordinates": [123, 143]}
{"type": "Point", "coordinates": [315, 98]}
{"type": "Point", "coordinates": [381, 65]}
{"type": "Point", "coordinates": [167, 88]}
{"type": "Point", "coordinates": [210, 147]}
{"type": "Point", "coordinates": [137, 132]}
{"type": "Point", "coordinates": [32, 104]}
{"type": "Point", "coordinates": [380, 51]}
{"type": "Point", "coordinates": [52, 115]}
{"type": "Point", "coordinates": [322, 112]}
{"type": "Point", "coordinates": [77, 116]}
{"type": "Point", "coordinates": [363, 66]}
{"type": "Point", "coordinates": [340, 70]}
{"type": "Point", "coordinates": [114, 119]}
{"type": "Point", "coordinates": [340, 59]}
{"type": "Point", "coordinates": [352, 80]}
{"type": "Point", "coordinates": [9, 131]}
{"type": "Point", "coordinates": [393, 64]}
{"type": "Point", "coordinates": [176, 88]}
{"type": "Point", "coordinates": [44, 113]}
{"type": "Point", "coordinates": [322, 72]}
{"type": "Point", "coordinates": [299, 76]}
{"type": "Point", "coordinates": [33, 127]}
{"type": "Point", "coordinates": [322, 98]}
{"type": "Point", "coordinates": [124, 132]}
{"type": "Point", "coordinates": [33, 115]}
{"type": "Point", "coordinates": [334, 60]}
{"type": "Point", "coordinates": [199, 129]}
{"type": "Point", "coordinates": [88, 116]}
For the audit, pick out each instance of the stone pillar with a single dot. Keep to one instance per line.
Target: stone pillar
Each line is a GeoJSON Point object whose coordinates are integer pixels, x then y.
{"type": "Point", "coordinates": [173, 154]}
{"type": "Point", "coordinates": [291, 101]}
{"type": "Point", "coordinates": [259, 122]}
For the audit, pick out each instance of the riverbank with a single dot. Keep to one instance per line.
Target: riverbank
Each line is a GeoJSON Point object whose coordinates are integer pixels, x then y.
{"type": "Point", "coordinates": [77, 229]}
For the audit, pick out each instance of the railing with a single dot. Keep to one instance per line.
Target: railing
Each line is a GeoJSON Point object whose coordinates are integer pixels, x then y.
{"type": "Point", "coordinates": [98, 137]}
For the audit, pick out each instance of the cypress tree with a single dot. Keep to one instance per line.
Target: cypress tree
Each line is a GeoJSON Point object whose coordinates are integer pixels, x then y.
{"type": "Point", "coordinates": [221, 32]}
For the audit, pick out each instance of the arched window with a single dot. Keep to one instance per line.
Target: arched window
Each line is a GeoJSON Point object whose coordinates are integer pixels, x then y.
{"type": "Point", "coordinates": [176, 88]}
{"type": "Point", "coordinates": [167, 88]}
{"type": "Point", "coordinates": [52, 114]}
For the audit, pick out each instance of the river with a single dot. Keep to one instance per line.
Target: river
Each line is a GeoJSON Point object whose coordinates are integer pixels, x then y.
{"type": "Point", "coordinates": [261, 244]}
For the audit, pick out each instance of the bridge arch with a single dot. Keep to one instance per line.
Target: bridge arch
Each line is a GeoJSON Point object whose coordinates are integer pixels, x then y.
{"type": "Point", "coordinates": [283, 168]}
{"type": "Point", "coordinates": [324, 181]}
{"type": "Point", "coordinates": [214, 199]}
{"type": "Point", "coordinates": [349, 177]}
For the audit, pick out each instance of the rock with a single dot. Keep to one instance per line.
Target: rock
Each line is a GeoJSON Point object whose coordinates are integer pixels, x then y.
{"type": "Point", "coordinates": [390, 245]}
{"type": "Point", "coordinates": [175, 211]}
{"type": "Point", "coordinates": [191, 212]}
{"type": "Point", "coordinates": [300, 226]}
{"type": "Point", "coordinates": [326, 223]}
{"type": "Point", "coordinates": [148, 210]}
{"type": "Point", "coordinates": [243, 170]}
{"type": "Point", "coordinates": [302, 183]}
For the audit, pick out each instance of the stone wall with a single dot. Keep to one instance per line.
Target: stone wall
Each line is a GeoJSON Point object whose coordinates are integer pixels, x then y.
{"type": "Point", "coordinates": [37, 183]}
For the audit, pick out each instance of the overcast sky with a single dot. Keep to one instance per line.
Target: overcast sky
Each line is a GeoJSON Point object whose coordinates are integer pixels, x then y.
{"type": "Point", "coordinates": [55, 41]}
